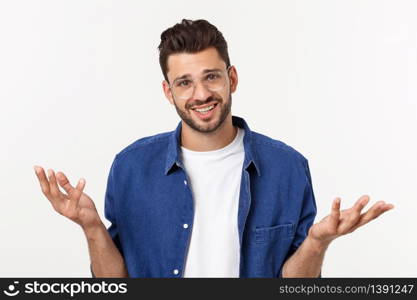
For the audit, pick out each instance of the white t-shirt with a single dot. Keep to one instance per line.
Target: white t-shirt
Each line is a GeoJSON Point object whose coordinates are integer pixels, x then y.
{"type": "Point", "coordinates": [214, 178]}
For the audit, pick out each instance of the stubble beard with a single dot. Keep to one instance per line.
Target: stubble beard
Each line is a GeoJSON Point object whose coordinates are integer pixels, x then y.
{"type": "Point", "coordinates": [224, 112]}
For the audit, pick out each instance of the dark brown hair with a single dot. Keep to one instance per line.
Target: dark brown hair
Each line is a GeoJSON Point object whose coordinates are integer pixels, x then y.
{"type": "Point", "coordinates": [190, 37]}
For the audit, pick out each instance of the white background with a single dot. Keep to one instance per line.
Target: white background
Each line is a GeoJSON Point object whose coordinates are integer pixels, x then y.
{"type": "Point", "coordinates": [80, 80]}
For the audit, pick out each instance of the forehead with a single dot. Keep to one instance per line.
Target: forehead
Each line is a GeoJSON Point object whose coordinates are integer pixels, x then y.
{"type": "Point", "coordinates": [193, 63]}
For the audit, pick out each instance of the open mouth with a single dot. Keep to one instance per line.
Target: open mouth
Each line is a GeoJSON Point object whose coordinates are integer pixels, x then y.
{"type": "Point", "coordinates": [206, 111]}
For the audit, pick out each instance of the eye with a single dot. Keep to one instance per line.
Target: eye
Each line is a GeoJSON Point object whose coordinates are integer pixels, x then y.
{"type": "Point", "coordinates": [212, 76]}
{"type": "Point", "coordinates": [183, 83]}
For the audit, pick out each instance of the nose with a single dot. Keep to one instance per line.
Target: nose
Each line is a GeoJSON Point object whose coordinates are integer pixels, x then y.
{"type": "Point", "coordinates": [201, 92]}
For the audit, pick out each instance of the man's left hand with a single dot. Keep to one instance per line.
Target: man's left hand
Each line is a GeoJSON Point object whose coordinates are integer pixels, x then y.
{"type": "Point", "coordinates": [346, 221]}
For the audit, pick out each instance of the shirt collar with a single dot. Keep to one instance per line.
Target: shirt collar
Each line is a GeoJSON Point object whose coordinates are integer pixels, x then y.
{"type": "Point", "coordinates": [174, 147]}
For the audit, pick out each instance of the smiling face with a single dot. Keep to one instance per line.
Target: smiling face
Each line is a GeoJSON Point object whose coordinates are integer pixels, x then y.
{"type": "Point", "coordinates": [203, 109]}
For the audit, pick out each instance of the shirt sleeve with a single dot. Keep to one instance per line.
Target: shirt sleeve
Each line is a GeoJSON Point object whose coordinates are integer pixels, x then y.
{"type": "Point", "coordinates": [110, 210]}
{"type": "Point", "coordinates": [308, 213]}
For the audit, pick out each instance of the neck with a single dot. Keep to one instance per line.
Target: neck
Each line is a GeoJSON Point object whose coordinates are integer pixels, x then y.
{"type": "Point", "coordinates": [200, 141]}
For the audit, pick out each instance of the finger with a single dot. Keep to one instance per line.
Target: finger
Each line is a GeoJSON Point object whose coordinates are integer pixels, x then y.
{"type": "Point", "coordinates": [40, 173]}
{"type": "Point", "coordinates": [76, 194]}
{"type": "Point", "coordinates": [64, 182]}
{"type": "Point", "coordinates": [53, 186]}
{"type": "Point", "coordinates": [375, 211]}
{"type": "Point", "coordinates": [361, 203]}
{"type": "Point", "coordinates": [388, 207]}
{"type": "Point", "coordinates": [354, 214]}
{"type": "Point", "coordinates": [335, 212]}
{"type": "Point", "coordinates": [381, 208]}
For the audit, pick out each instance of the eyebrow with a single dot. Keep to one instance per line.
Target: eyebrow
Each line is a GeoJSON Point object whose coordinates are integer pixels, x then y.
{"type": "Point", "coordinates": [205, 71]}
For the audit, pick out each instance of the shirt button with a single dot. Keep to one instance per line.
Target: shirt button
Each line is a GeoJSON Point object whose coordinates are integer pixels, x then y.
{"type": "Point", "coordinates": [176, 271]}
{"type": "Point", "coordinates": [185, 182]}
{"type": "Point", "coordinates": [185, 226]}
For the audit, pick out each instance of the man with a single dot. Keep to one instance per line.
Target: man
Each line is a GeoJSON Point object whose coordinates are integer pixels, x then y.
{"type": "Point", "coordinates": [212, 198]}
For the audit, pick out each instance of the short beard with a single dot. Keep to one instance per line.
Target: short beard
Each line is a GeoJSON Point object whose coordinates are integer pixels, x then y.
{"type": "Point", "coordinates": [224, 112]}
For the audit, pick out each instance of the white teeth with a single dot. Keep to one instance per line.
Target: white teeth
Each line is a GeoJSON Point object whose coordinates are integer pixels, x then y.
{"type": "Point", "coordinates": [202, 110]}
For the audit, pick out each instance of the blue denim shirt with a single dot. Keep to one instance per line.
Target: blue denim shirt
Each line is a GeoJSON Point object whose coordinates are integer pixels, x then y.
{"type": "Point", "coordinates": [148, 200]}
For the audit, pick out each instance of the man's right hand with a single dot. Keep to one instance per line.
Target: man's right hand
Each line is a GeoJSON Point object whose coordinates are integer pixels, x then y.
{"type": "Point", "coordinates": [74, 204]}
{"type": "Point", "coordinates": [106, 259]}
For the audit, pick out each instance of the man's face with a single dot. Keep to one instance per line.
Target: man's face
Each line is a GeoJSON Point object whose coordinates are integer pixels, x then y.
{"type": "Point", "coordinates": [203, 109]}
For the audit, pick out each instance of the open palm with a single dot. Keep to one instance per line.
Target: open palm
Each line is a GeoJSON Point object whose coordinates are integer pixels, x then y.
{"type": "Point", "coordinates": [348, 220]}
{"type": "Point", "coordinates": [74, 203]}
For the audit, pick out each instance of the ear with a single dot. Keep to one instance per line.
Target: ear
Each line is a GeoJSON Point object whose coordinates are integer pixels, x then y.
{"type": "Point", "coordinates": [233, 79]}
{"type": "Point", "coordinates": [167, 92]}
